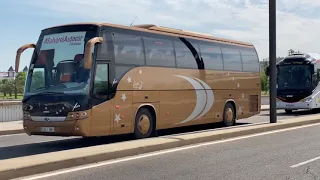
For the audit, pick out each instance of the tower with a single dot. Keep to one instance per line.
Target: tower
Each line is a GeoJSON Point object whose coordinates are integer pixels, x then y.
{"type": "Point", "coordinates": [25, 69]}
{"type": "Point", "coordinates": [11, 72]}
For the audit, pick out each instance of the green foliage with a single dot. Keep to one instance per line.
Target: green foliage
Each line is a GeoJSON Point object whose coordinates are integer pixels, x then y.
{"type": "Point", "coordinates": [264, 82]}
{"type": "Point", "coordinates": [13, 86]}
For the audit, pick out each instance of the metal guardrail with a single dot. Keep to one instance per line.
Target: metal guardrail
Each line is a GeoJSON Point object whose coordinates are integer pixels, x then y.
{"type": "Point", "coordinates": [10, 111]}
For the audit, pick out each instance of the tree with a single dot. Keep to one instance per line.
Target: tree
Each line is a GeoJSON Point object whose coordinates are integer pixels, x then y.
{"type": "Point", "coordinates": [290, 51]}
{"type": "Point", "coordinates": [1, 88]}
{"type": "Point", "coordinates": [264, 81]}
{"type": "Point", "coordinates": [18, 83]}
{"type": "Point", "coordinates": [7, 87]}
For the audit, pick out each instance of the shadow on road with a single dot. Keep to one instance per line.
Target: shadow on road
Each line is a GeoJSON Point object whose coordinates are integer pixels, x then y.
{"type": "Point", "coordinates": [60, 145]}
{"type": "Point", "coordinates": [74, 143]}
{"type": "Point", "coordinates": [296, 113]}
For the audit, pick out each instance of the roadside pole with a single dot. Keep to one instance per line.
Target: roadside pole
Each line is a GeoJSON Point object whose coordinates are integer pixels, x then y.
{"type": "Point", "coordinates": [272, 60]}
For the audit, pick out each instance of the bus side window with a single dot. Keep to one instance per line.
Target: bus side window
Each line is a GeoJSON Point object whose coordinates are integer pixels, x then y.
{"type": "Point", "coordinates": [250, 61]}
{"type": "Point", "coordinates": [212, 56]}
{"type": "Point", "coordinates": [231, 59]}
{"type": "Point", "coordinates": [184, 56]}
{"type": "Point", "coordinates": [101, 81]}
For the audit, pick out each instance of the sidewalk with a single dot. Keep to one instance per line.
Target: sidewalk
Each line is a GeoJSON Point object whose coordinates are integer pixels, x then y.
{"type": "Point", "coordinates": [12, 127]}
{"type": "Point", "coordinates": [264, 107]}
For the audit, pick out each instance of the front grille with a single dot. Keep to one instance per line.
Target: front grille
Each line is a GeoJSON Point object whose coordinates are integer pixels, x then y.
{"type": "Point", "coordinates": [49, 110]}
{"type": "Point", "coordinates": [292, 96]}
{"type": "Point", "coordinates": [291, 99]}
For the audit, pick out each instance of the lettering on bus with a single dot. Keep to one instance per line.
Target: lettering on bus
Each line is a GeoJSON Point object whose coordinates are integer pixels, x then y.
{"type": "Point", "coordinates": [75, 106]}
{"type": "Point", "coordinates": [73, 40]}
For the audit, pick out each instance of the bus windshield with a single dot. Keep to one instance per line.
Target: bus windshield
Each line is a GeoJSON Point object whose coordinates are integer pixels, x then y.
{"type": "Point", "coordinates": [294, 77]}
{"type": "Point", "coordinates": [58, 64]}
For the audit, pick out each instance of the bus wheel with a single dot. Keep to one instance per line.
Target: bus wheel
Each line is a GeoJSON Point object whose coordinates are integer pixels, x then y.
{"type": "Point", "coordinates": [288, 111]}
{"type": "Point", "coordinates": [229, 118]}
{"type": "Point", "coordinates": [144, 124]}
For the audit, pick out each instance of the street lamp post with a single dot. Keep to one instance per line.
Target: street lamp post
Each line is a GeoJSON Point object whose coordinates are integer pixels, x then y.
{"type": "Point", "coordinates": [272, 60]}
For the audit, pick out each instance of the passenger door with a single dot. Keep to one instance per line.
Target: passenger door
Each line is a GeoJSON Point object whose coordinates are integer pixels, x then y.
{"type": "Point", "coordinates": [101, 110]}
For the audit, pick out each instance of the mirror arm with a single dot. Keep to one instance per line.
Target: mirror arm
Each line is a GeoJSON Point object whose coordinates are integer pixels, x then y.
{"type": "Point", "coordinates": [19, 52]}
{"type": "Point", "coordinates": [88, 51]}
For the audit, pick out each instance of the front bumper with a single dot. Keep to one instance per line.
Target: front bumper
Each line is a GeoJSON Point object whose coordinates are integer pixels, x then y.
{"type": "Point", "coordinates": [64, 128]}
{"type": "Point", "coordinates": [293, 106]}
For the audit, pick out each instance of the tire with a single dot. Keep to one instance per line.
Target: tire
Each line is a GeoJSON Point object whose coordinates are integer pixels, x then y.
{"type": "Point", "coordinates": [144, 126]}
{"type": "Point", "coordinates": [288, 111]}
{"type": "Point", "coordinates": [229, 118]}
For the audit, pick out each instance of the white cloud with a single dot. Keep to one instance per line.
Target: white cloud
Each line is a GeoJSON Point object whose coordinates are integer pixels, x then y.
{"type": "Point", "coordinates": [245, 20]}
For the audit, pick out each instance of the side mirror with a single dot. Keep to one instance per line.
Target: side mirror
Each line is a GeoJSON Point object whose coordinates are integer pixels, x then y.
{"type": "Point", "coordinates": [19, 52]}
{"type": "Point", "coordinates": [88, 51]}
{"type": "Point", "coordinates": [267, 71]}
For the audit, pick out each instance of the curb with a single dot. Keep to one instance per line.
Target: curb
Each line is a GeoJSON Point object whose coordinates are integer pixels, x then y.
{"type": "Point", "coordinates": [41, 163]}
{"type": "Point", "coordinates": [8, 132]}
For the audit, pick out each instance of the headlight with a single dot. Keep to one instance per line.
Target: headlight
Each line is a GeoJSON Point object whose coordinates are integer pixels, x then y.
{"type": "Point", "coordinates": [308, 99]}
{"type": "Point", "coordinates": [78, 115]}
{"type": "Point", "coordinates": [26, 115]}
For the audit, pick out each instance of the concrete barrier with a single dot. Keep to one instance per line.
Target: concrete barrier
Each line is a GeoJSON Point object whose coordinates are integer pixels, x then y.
{"type": "Point", "coordinates": [10, 111]}
{"type": "Point", "coordinates": [41, 163]}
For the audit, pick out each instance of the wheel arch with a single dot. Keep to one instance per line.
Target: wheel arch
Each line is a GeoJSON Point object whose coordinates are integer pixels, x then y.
{"type": "Point", "coordinates": [234, 104]}
{"type": "Point", "coordinates": [152, 110]}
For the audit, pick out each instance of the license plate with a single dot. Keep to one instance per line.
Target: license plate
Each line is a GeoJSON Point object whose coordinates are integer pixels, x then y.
{"type": "Point", "coordinates": [47, 129]}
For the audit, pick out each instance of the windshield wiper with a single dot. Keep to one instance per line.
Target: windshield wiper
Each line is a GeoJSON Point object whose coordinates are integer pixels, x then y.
{"type": "Point", "coordinates": [45, 87]}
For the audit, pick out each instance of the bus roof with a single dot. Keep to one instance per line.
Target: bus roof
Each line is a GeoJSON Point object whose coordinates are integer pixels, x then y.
{"type": "Point", "coordinates": [160, 29]}
{"type": "Point", "coordinates": [308, 57]}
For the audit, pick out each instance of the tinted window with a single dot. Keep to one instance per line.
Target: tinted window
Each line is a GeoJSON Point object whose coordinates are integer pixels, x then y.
{"type": "Point", "coordinates": [250, 61]}
{"type": "Point", "coordinates": [104, 46]}
{"type": "Point", "coordinates": [212, 57]}
{"type": "Point", "coordinates": [231, 59]}
{"type": "Point", "coordinates": [185, 58]}
{"type": "Point", "coordinates": [128, 49]}
{"type": "Point", "coordinates": [159, 52]}
{"type": "Point", "coordinates": [122, 70]}
{"type": "Point", "coordinates": [101, 81]}
{"type": "Point", "coordinates": [38, 79]}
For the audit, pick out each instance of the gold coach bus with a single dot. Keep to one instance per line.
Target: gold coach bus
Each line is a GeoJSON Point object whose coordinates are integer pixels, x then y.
{"type": "Point", "coordinates": [97, 79]}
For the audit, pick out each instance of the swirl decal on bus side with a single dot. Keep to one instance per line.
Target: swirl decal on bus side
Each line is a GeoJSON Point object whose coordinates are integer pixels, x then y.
{"type": "Point", "coordinates": [205, 98]}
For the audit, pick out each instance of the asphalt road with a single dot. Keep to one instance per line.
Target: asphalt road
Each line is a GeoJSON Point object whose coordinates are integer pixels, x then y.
{"type": "Point", "coordinates": [261, 157]}
{"type": "Point", "coordinates": [13, 146]}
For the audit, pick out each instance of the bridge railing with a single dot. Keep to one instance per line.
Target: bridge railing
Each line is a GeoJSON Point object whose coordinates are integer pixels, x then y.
{"type": "Point", "coordinates": [10, 111]}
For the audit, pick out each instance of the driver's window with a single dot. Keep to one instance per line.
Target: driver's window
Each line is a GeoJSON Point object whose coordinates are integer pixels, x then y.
{"type": "Point", "coordinates": [316, 78]}
{"type": "Point", "coordinates": [101, 81]}
{"type": "Point", "coordinates": [38, 79]}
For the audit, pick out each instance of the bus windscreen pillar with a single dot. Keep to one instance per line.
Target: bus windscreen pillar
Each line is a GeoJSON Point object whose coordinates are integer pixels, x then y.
{"type": "Point", "coordinates": [272, 60]}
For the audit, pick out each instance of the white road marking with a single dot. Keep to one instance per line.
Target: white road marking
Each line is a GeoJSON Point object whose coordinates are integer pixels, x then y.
{"type": "Point", "coordinates": [99, 164]}
{"type": "Point", "coordinates": [8, 135]}
{"type": "Point", "coordinates": [305, 162]}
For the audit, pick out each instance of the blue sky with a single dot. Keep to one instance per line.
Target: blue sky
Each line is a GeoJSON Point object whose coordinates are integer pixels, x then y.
{"type": "Point", "coordinates": [247, 20]}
